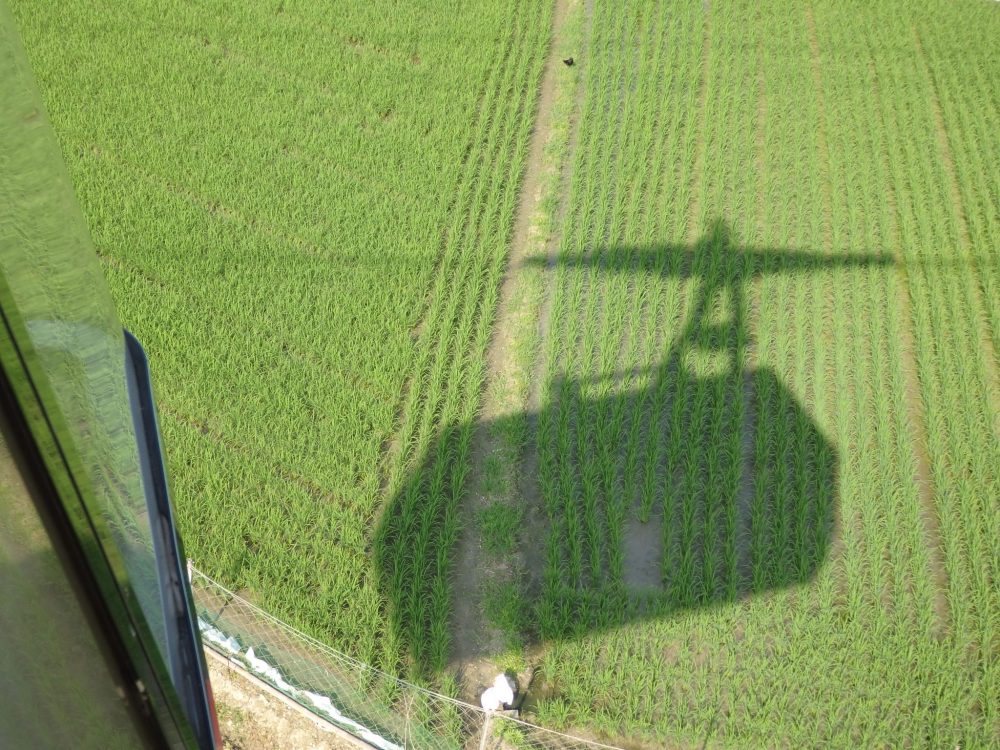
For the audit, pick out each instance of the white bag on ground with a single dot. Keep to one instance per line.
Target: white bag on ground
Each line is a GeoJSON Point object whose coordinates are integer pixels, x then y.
{"type": "Point", "coordinates": [490, 700]}
{"type": "Point", "coordinates": [504, 688]}
{"type": "Point", "coordinates": [500, 696]}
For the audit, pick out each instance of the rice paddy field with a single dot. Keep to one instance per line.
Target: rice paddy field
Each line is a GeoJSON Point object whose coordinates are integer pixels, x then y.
{"type": "Point", "coordinates": [721, 434]}
{"type": "Point", "coordinates": [303, 214]}
{"type": "Point", "coordinates": [772, 354]}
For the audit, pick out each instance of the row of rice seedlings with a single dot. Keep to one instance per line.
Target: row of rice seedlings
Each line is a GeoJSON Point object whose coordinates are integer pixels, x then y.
{"type": "Point", "coordinates": [554, 440]}
{"type": "Point", "coordinates": [782, 409]}
{"type": "Point", "coordinates": [447, 465]}
{"type": "Point", "coordinates": [620, 464]}
{"type": "Point", "coordinates": [666, 406]}
{"type": "Point", "coordinates": [687, 429]}
{"type": "Point", "coordinates": [571, 293]}
{"type": "Point", "coordinates": [899, 555]}
{"type": "Point", "coordinates": [583, 413]}
{"type": "Point", "coordinates": [680, 478]}
{"type": "Point", "coordinates": [626, 286]}
{"type": "Point", "coordinates": [773, 287]}
{"type": "Point", "coordinates": [582, 406]}
{"type": "Point", "coordinates": [408, 568]}
{"type": "Point", "coordinates": [709, 325]}
{"type": "Point", "coordinates": [735, 190]}
{"type": "Point", "coordinates": [834, 371]}
{"type": "Point", "coordinates": [812, 235]}
{"type": "Point", "coordinates": [969, 114]}
{"type": "Point", "coordinates": [551, 436]}
{"type": "Point", "coordinates": [566, 499]}
{"type": "Point", "coordinates": [708, 352]}
{"type": "Point", "coordinates": [966, 113]}
{"type": "Point", "coordinates": [606, 410]}
{"type": "Point", "coordinates": [950, 366]}
{"type": "Point", "coordinates": [693, 518]}
{"type": "Point", "coordinates": [665, 401]}
{"type": "Point", "coordinates": [655, 476]}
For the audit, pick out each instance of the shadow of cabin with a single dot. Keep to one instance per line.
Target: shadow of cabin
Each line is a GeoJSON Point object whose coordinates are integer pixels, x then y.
{"type": "Point", "coordinates": [731, 492]}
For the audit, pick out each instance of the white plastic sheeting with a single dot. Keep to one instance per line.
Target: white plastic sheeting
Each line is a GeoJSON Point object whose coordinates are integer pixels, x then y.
{"type": "Point", "coordinates": [218, 639]}
{"type": "Point", "coordinates": [320, 703]}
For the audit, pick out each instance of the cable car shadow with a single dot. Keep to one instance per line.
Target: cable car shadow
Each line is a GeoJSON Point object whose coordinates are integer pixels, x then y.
{"type": "Point", "coordinates": [698, 481]}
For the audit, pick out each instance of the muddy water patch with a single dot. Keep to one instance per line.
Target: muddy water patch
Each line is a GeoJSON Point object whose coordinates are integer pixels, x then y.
{"type": "Point", "coordinates": [643, 553]}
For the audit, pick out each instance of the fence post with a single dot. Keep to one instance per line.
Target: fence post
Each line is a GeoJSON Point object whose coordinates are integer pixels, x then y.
{"type": "Point", "coordinates": [486, 730]}
{"type": "Point", "coordinates": [407, 704]}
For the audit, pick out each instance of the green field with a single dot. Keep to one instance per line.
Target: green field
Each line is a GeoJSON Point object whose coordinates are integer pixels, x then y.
{"type": "Point", "coordinates": [775, 307]}
{"type": "Point", "coordinates": [303, 215]}
{"type": "Point", "coordinates": [735, 471]}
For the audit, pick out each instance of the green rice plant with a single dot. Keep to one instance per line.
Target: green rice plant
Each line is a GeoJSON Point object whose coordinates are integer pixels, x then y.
{"type": "Point", "coordinates": [499, 524]}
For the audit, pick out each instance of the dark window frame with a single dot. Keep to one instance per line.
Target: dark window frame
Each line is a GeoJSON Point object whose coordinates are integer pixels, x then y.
{"type": "Point", "coordinates": [83, 539]}
{"type": "Point", "coordinates": [185, 657]}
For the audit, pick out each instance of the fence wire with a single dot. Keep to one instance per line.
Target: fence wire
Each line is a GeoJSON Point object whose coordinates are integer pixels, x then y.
{"type": "Point", "coordinates": [377, 708]}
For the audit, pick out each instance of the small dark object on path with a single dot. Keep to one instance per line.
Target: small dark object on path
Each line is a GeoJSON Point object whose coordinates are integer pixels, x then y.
{"type": "Point", "coordinates": [568, 61]}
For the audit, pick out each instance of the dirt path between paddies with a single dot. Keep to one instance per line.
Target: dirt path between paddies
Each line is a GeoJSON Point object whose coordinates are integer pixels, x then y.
{"type": "Point", "coordinates": [479, 648]}
{"type": "Point", "coordinates": [252, 718]}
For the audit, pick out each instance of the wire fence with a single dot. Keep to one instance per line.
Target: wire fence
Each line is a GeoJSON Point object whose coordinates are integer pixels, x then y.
{"type": "Point", "coordinates": [377, 708]}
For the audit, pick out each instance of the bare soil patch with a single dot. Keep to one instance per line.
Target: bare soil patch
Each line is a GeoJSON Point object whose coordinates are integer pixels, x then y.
{"type": "Point", "coordinates": [643, 553]}
{"type": "Point", "coordinates": [253, 719]}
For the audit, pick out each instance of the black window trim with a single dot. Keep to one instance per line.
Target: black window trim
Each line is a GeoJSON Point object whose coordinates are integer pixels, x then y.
{"type": "Point", "coordinates": [185, 657]}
